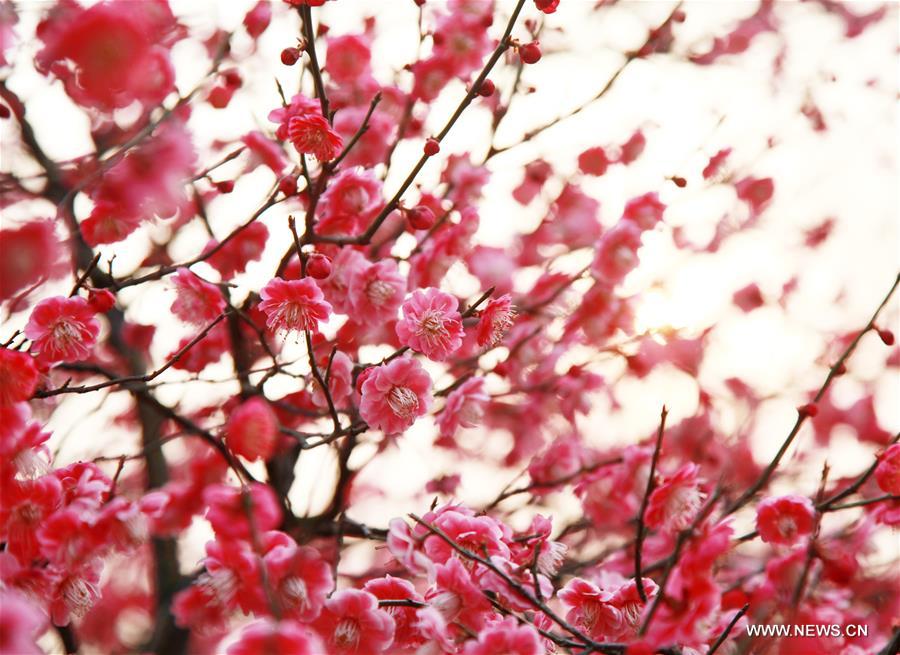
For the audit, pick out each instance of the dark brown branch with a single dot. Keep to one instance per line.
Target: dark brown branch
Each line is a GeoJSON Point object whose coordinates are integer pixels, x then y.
{"type": "Point", "coordinates": [310, 37]}
{"type": "Point", "coordinates": [800, 588]}
{"type": "Point", "coordinates": [85, 275]}
{"type": "Point", "coordinates": [314, 367]}
{"type": "Point", "coordinates": [362, 129]}
{"type": "Point", "coordinates": [168, 270]}
{"type": "Point", "coordinates": [641, 528]}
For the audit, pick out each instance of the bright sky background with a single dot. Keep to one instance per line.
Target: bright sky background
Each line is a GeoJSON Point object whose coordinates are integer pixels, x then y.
{"type": "Point", "coordinates": [687, 113]}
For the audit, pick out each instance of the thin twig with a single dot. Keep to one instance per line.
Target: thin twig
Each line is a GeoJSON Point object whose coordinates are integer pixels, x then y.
{"type": "Point", "coordinates": [722, 637]}
{"type": "Point", "coordinates": [833, 372]}
{"type": "Point", "coordinates": [135, 378]}
{"type": "Point", "coordinates": [502, 46]}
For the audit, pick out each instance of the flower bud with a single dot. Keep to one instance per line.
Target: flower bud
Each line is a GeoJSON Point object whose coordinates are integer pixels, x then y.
{"type": "Point", "coordinates": [809, 409]}
{"type": "Point", "coordinates": [288, 186]}
{"type": "Point", "coordinates": [530, 53]}
{"type": "Point", "coordinates": [486, 89]}
{"type": "Point", "coordinates": [318, 266]}
{"type": "Point", "coordinates": [432, 147]}
{"type": "Point", "coordinates": [101, 300]}
{"type": "Point", "coordinates": [420, 217]}
{"type": "Point", "coordinates": [289, 56]}
{"type": "Point", "coordinates": [220, 96]}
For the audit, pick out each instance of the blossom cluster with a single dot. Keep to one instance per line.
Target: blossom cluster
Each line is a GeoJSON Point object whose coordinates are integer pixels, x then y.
{"type": "Point", "coordinates": [352, 317]}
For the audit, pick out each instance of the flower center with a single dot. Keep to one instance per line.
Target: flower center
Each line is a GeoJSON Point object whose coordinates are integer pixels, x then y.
{"type": "Point", "coordinates": [589, 614]}
{"type": "Point", "coordinates": [787, 527]}
{"type": "Point", "coordinates": [448, 604]}
{"type": "Point", "coordinates": [624, 257]}
{"type": "Point", "coordinates": [403, 402]}
{"type": "Point", "coordinates": [293, 590]}
{"type": "Point", "coordinates": [683, 506]}
{"type": "Point", "coordinates": [379, 292]}
{"type": "Point", "coordinates": [312, 138]}
{"type": "Point", "coordinates": [432, 323]}
{"type": "Point", "coordinates": [631, 613]}
{"type": "Point", "coordinates": [346, 633]}
{"type": "Point", "coordinates": [220, 584]}
{"type": "Point", "coordinates": [29, 464]}
{"type": "Point", "coordinates": [294, 316]}
{"type": "Point", "coordinates": [471, 413]}
{"type": "Point", "coordinates": [76, 593]}
{"type": "Point", "coordinates": [28, 513]}
{"type": "Point", "coordinates": [65, 332]}
{"type": "Point", "coordinates": [551, 557]}
{"type": "Point", "coordinates": [500, 324]}
{"type": "Point", "coordinates": [356, 199]}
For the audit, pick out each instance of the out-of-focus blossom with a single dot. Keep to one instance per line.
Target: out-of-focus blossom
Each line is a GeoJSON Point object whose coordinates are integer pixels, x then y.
{"type": "Point", "coordinates": [785, 519]}
{"type": "Point", "coordinates": [18, 376]}
{"type": "Point", "coordinates": [196, 301]}
{"type": "Point", "coordinates": [228, 509]}
{"type": "Point", "coordinates": [887, 473]}
{"type": "Point", "coordinates": [675, 502]}
{"type": "Point", "coordinates": [30, 254]}
{"type": "Point", "coordinates": [251, 430]}
{"type": "Point", "coordinates": [111, 54]}
{"type": "Point", "coordinates": [464, 407]}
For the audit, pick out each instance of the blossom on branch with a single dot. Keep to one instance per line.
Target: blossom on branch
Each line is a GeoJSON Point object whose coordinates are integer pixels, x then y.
{"type": "Point", "coordinates": [294, 305]}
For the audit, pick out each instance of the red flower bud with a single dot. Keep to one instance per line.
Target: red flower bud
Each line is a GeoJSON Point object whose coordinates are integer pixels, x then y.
{"type": "Point", "coordinates": [420, 217]}
{"type": "Point", "coordinates": [887, 336]}
{"type": "Point", "coordinates": [318, 266]}
{"type": "Point", "coordinates": [432, 147]}
{"type": "Point", "coordinates": [101, 300]}
{"type": "Point", "coordinates": [288, 186]}
{"type": "Point", "coordinates": [289, 56]}
{"type": "Point", "coordinates": [809, 409]}
{"type": "Point", "coordinates": [530, 53]}
{"type": "Point", "coordinates": [546, 6]}
{"type": "Point", "coordinates": [225, 186]}
{"type": "Point", "coordinates": [232, 79]}
{"type": "Point", "coordinates": [486, 89]}
{"type": "Point", "coordinates": [5, 112]}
